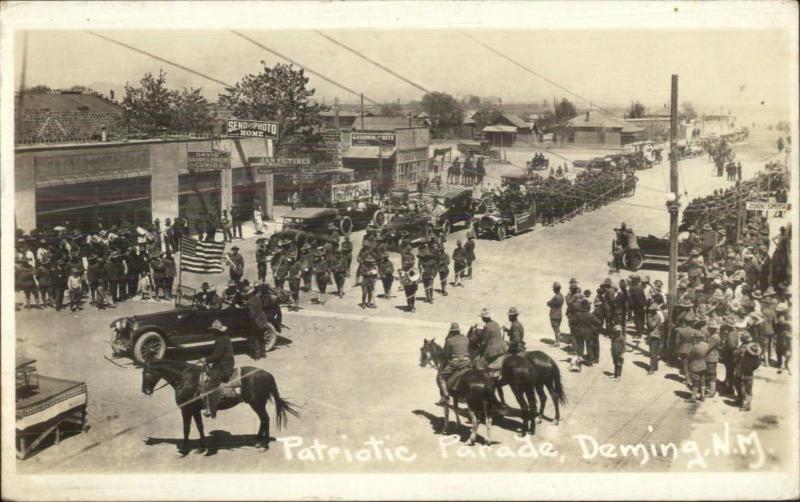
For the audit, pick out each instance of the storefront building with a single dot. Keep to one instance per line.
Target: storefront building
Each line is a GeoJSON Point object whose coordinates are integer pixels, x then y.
{"type": "Point", "coordinates": [135, 181]}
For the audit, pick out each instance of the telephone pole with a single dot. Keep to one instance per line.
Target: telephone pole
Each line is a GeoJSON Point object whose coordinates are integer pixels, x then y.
{"type": "Point", "coordinates": [673, 205]}
{"type": "Point", "coordinates": [362, 111]}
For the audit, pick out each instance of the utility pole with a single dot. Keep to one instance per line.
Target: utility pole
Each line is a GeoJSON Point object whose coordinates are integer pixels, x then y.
{"type": "Point", "coordinates": [362, 111]}
{"type": "Point", "coordinates": [336, 113]}
{"type": "Point", "coordinates": [673, 204]}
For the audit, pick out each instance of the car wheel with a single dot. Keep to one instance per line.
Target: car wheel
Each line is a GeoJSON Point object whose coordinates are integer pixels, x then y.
{"type": "Point", "coordinates": [270, 337]}
{"type": "Point", "coordinates": [501, 233]}
{"type": "Point", "coordinates": [346, 225]}
{"type": "Point", "coordinates": [150, 346]}
{"type": "Point", "coordinates": [379, 219]}
{"type": "Point", "coordinates": [446, 227]}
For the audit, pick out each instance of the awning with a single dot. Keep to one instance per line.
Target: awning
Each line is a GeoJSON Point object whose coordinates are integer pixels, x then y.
{"type": "Point", "coordinates": [500, 128]}
{"type": "Point", "coordinates": [451, 192]}
{"type": "Point", "coordinates": [368, 152]}
{"type": "Point", "coordinates": [441, 151]}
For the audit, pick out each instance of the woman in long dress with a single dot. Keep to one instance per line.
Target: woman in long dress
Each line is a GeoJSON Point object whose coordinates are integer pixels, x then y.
{"type": "Point", "coordinates": [258, 222]}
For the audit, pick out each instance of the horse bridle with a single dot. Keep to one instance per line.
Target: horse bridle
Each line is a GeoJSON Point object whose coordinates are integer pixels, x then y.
{"type": "Point", "coordinates": [169, 381]}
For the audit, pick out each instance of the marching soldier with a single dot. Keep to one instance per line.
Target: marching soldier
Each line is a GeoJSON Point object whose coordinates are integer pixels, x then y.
{"type": "Point", "coordinates": [469, 247]}
{"type": "Point", "coordinates": [347, 251]}
{"type": "Point", "coordinates": [340, 266]}
{"type": "Point", "coordinates": [321, 271]}
{"type": "Point", "coordinates": [307, 264]}
{"type": "Point", "coordinates": [429, 271]}
{"type": "Point", "coordinates": [697, 366]}
{"type": "Point", "coordinates": [294, 272]}
{"type": "Point", "coordinates": [618, 350]}
{"type": "Point", "coordinates": [748, 360]}
{"type": "Point", "coordinates": [280, 268]}
{"type": "Point", "coordinates": [368, 271]}
{"type": "Point", "coordinates": [443, 261]}
{"type": "Point", "coordinates": [459, 263]}
{"type": "Point", "coordinates": [407, 259]}
{"type": "Point", "coordinates": [386, 270]}
{"type": "Point", "coordinates": [712, 357]}
{"type": "Point", "coordinates": [516, 333]}
{"type": "Point", "coordinates": [409, 280]}
{"type": "Point", "coordinates": [684, 335]}
{"type": "Point", "coordinates": [261, 263]}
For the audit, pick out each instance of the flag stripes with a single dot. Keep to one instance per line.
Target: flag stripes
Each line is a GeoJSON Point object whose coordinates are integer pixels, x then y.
{"type": "Point", "coordinates": [201, 257]}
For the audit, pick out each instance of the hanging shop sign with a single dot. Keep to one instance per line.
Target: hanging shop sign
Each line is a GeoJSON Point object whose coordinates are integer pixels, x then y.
{"type": "Point", "coordinates": [208, 161]}
{"type": "Point", "coordinates": [373, 139]}
{"type": "Point", "coordinates": [348, 192]}
{"type": "Point", "coordinates": [252, 129]}
{"type": "Point", "coordinates": [767, 206]}
{"type": "Point", "coordinates": [279, 165]}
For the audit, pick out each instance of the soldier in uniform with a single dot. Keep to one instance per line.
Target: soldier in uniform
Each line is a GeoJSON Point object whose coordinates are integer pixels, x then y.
{"type": "Point", "coordinates": [656, 326]}
{"type": "Point", "coordinates": [730, 342]}
{"type": "Point", "coordinates": [295, 269]}
{"type": "Point", "coordinates": [386, 271]}
{"type": "Point", "coordinates": [637, 303]}
{"type": "Point", "coordinates": [712, 357]}
{"type": "Point", "coordinates": [490, 349]}
{"type": "Point", "coordinates": [617, 350]}
{"type": "Point", "coordinates": [469, 247]}
{"type": "Point", "coordinates": [407, 259]}
{"type": "Point", "coordinates": [456, 348]}
{"type": "Point", "coordinates": [684, 335]}
{"type": "Point", "coordinates": [748, 360]}
{"type": "Point", "coordinates": [280, 267]}
{"type": "Point", "coordinates": [409, 280]}
{"type": "Point", "coordinates": [221, 365]}
{"type": "Point", "coordinates": [697, 365]}
{"type": "Point", "coordinates": [368, 271]}
{"type": "Point", "coordinates": [321, 271]}
{"type": "Point", "coordinates": [516, 333]}
{"type": "Point", "coordinates": [555, 304]}
{"type": "Point", "coordinates": [443, 261]}
{"type": "Point", "coordinates": [459, 263]}
{"type": "Point", "coordinates": [347, 251]}
{"type": "Point", "coordinates": [429, 270]}
{"type": "Point", "coordinates": [307, 264]}
{"type": "Point", "coordinates": [340, 266]}
{"type": "Point", "coordinates": [261, 263]}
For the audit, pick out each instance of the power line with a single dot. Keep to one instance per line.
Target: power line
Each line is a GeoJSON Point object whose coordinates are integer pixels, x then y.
{"type": "Point", "coordinates": [309, 70]}
{"type": "Point", "coordinates": [533, 72]}
{"type": "Point", "coordinates": [159, 58]}
{"type": "Point", "coordinates": [379, 65]}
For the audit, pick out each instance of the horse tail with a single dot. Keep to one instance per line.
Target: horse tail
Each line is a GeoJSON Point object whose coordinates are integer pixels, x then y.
{"type": "Point", "coordinates": [282, 406]}
{"type": "Point", "coordinates": [558, 388]}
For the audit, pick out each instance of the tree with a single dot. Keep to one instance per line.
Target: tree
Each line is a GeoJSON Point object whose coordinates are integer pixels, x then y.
{"type": "Point", "coordinates": [564, 110]}
{"type": "Point", "coordinates": [38, 89]}
{"type": "Point", "coordinates": [471, 102]}
{"type": "Point", "coordinates": [391, 110]}
{"type": "Point", "coordinates": [636, 110]}
{"type": "Point", "coordinates": [487, 114]}
{"type": "Point", "coordinates": [687, 111]}
{"type": "Point", "coordinates": [151, 107]}
{"type": "Point", "coordinates": [279, 94]}
{"type": "Point", "coordinates": [443, 109]}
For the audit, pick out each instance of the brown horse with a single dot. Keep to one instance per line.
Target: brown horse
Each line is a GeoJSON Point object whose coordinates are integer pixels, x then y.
{"type": "Point", "coordinates": [474, 387]}
{"type": "Point", "coordinates": [547, 374]}
{"type": "Point", "coordinates": [257, 387]}
{"type": "Point", "coordinates": [518, 373]}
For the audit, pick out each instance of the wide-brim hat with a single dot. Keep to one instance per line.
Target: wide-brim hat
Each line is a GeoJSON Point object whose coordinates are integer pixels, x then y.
{"type": "Point", "coordinates": [305, 247]}
{"type": "Point", "coordinates": [695, 252]}
{"type": "Point", "coordinates": [770, 291]}
{"type": "Point", "coordinates": [607, 282]}
{"type": "Point", "coordinates": [218, 326]}
{"type": "Point", "coordinates": [485, 313]}
{"type": "Point", "coordinates": [557, 284]}
{"type": "Point", "coordinates": [235, 248]}
{"type": "Point", "coordinates": [740, 323]}
{"type": "Point", "coordinates": [685, 302]}
{"type": "Point", "coordinates": [754, 349]}
{"type": "Point", "coordinates": [454, 328]}
{"type": "Point", "coordinates": [369, 259]}
{"type": "Point", "coordinates": [707, 227]}
{"type": "Point", "coordinates": [513, 311]}
{"type": "Point", "coordinates": [652, 306]}
{"type": "Point", "coordinates": [718, 295]}
{"type": "Point", "coordinates": [756, 295]}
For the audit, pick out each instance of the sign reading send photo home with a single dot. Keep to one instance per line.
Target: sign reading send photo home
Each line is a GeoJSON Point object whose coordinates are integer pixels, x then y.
{"type": "Point", "coordinates": [252, 129]}
{"type": "Point", "coordinates": [373, 139]}
{"type": "Point", "coordinates": [208, 161]}
{"type": "Point", "coordinates": [348, 192]}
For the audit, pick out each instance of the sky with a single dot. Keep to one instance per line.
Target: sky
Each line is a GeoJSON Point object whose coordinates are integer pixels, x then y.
{"type": "Point", "coordinates": [744, 71]}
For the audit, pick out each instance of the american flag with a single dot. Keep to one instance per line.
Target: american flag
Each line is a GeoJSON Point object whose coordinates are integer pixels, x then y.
{"type": "Point", "coordinates": [201, 257]}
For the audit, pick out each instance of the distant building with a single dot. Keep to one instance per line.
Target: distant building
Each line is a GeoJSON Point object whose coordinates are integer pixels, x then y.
{"type": "Point", "coordinates": [61, 117]}
{"type": "Point", "coordinates": [595, 129]}
{"type": "Point", "coordinates": [510, 119]}
{"type": "Point", "coordinates": [656, 127]}
{"type": "Point", "coordinates": [717, 124]}
{"type": "Point", "coordinates": [500, 135]}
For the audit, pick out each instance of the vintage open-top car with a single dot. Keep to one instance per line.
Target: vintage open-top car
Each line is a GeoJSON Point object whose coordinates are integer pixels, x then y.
{"type": "Point", "coordinates": [506, 215]}
{"type": "Point", "coordinates": [452, 205]}
{"type": "Point", "coordinates": [147, 337]}
{"type": "Point", "coordinates": [317, 220]}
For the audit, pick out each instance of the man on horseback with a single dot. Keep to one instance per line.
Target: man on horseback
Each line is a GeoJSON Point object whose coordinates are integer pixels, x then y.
{"type": "Point", "coordinates": [516, 333]}
{"type": "Point", "coordinates": [456, 348]}
{"type": "Point", "coordinates": [221, 366]}
{"type": "Point", "coordinates": [489, 342]}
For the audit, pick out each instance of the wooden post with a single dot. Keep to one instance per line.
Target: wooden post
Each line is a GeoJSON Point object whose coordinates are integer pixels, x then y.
{"type": "Point", "coordinates": [673, 209]}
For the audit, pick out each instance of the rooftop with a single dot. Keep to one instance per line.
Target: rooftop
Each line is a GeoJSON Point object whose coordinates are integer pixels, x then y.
{"type": "Point", "coordinates": [58, 102]}
{"type": "Point", "coordinates": [595, 120]}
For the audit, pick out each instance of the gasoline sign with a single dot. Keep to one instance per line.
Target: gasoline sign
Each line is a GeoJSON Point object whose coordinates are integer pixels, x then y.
{"type": "Point", "coordinates": [252, 129]}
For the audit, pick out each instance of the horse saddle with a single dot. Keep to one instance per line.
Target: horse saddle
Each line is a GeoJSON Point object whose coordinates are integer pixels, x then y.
{"type": "Point", "coordinates": [232, 389]}
{"type": "Point", "coordinates": [454, 379]}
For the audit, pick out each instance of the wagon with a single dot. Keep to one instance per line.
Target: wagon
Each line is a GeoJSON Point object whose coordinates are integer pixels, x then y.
{"type": "Point", "coordinates": [46, 407]}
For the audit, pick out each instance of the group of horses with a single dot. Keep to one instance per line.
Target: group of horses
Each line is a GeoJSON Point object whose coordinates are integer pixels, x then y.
{"type": "Point", "coordinates": [526, 374]}
{"type": "Point", "coordinates": [468, 174]}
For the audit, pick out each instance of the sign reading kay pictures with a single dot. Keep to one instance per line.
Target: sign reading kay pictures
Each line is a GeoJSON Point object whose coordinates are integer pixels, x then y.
{"type": "Point", "coordinates": [373, 139]}
{"type": "Point", "coordinates": [767, 206]}
{"type": "Point", "coordinates": [208, 161]}
{"type": "Point", "coordinates": [348, 192]}
{"type": "Point", "coordinates": [252, 129]}
{"type": "Point", "coordinates": [270, 165]}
